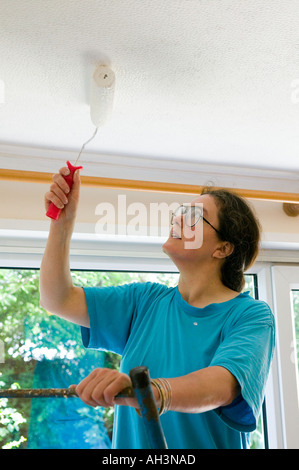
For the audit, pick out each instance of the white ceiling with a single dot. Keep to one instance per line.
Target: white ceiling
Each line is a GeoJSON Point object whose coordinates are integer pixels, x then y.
{"type": "Point", "coordinates": [203, 81]}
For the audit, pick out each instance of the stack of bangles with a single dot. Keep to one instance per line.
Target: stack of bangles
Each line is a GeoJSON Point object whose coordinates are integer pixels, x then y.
{"type": "Point", "coordinates": [164, 390]}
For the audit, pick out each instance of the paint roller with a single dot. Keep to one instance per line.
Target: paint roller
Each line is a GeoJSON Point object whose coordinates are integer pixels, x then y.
{"type": "Point", "coordinates": [101, 100]}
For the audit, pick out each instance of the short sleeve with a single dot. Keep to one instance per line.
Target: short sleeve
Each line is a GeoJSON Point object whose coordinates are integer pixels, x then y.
{"type": "Point", "coordinates": [111, 312]}
{"type": "Point", "coordinates": [246, 351]}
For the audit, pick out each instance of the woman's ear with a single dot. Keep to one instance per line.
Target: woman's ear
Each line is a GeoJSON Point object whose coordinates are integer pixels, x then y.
{"type": "Point", "coordinates": [224, 250]}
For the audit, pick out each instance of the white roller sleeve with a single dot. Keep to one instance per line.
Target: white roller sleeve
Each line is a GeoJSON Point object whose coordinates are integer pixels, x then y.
{"type": "Point", "coordinates": [102, 92]}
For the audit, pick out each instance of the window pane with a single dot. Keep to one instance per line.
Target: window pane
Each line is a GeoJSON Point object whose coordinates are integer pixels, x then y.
{"type": "Point", "coordinates": [44, 351]}
{"type": "Point", "coordinates": [257, 440]}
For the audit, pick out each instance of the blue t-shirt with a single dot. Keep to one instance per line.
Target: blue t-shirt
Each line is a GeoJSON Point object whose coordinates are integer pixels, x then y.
{"type": "Point", "coordinates": [151, 325]}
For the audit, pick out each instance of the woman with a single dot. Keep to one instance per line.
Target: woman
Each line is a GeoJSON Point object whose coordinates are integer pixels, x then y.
{"type": "Point", "coordinates": [208, 345]}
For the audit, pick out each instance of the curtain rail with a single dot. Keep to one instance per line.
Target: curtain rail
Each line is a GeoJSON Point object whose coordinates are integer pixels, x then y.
{"type": "Point", "coordinates": [138, 185]}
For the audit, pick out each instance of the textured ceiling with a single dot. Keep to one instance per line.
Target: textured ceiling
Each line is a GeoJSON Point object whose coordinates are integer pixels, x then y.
{"type": "Point", "coordinates": [196, 80]}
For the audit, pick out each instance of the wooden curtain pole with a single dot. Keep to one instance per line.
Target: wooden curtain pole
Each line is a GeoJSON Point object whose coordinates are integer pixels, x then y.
{"type": "Point", "coordinates": [137, 185]}
{"type": "Point", "coordinates": [291, 210]}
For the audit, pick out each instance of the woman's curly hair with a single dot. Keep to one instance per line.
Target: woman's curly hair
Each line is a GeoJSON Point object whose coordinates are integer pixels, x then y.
{"type": "Point", "coordinates": [238, 225]}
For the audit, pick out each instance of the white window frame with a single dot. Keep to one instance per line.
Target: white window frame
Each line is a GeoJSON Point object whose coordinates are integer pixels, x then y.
{"type": "Point", "coordinates": [274, 412]}
{"type": "Point", "coordinates": [24, 249]}
{"type": "Point", "coordinates": [284, 279]}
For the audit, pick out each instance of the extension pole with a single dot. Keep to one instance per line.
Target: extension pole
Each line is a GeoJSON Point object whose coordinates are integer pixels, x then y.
{"type": "Point", "coordinates": [50, 392]}
{"type": "Point", "coordinates": [147, 405]}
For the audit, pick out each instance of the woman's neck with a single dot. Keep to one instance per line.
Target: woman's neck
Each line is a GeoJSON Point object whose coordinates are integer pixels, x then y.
{"type": "Point", "coordinates": [200, 289]}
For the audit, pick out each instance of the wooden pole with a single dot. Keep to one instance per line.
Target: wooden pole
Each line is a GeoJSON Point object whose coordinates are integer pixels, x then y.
{"type": "Point", "coordinates": [52, 392]}
{"type": "Point", "coordinates": [38, 393]}
{"type": "Point", "coordinates": [292, 210]}
{"type": "Point", "coordinates": [137, 185]}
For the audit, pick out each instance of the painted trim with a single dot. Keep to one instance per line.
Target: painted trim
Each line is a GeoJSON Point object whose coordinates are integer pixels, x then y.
{"type": "Point", "coordinates": [154, 173]}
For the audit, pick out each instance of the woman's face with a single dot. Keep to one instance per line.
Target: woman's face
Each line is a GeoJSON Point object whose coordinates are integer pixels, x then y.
{"type": "Point", "coordinates": [186, 242]}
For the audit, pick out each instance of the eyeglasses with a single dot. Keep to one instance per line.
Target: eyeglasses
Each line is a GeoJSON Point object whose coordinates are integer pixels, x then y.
{"type": "Point", "coordinates": [193, 214]}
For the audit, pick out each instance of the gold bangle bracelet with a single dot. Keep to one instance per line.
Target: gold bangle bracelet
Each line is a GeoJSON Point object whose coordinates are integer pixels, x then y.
{"type": "Point", "coordinates": [157, 385]}
{"type": "Point", "coordinates": [168, 394]}
{"type": "Point", "coordinates": [165, 395]}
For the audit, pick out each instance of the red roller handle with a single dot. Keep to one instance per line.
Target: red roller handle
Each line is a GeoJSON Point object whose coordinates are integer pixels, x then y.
{"type": "Point", "coordinates": [53, 211]}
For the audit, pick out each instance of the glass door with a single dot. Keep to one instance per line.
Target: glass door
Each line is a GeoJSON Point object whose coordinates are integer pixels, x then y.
{"type": "Point", "coordinates": [286, 307]}
{"type": "Point", "coordinates": [295, 306]}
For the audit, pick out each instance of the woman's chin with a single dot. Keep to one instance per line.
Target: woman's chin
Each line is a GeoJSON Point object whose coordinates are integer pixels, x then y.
{"type": "Point", "coordinates": [171, 244]}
